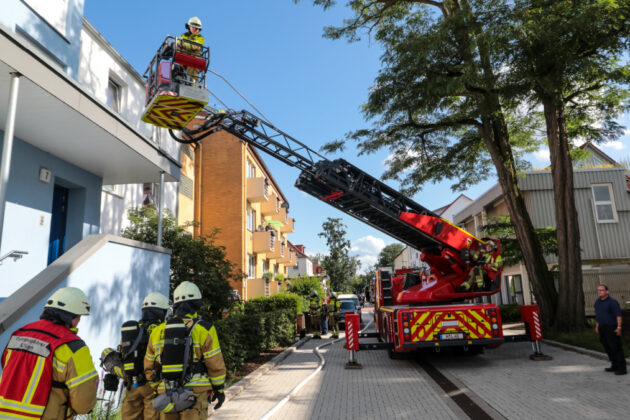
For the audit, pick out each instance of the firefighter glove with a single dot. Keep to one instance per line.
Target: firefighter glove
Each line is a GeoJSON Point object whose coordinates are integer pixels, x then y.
{"type": "Point", "coordinates": [110, 382]}
{"type": "Point", "coordinates": [219, 395]}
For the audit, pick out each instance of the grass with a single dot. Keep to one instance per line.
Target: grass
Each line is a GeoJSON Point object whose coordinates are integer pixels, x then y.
{"type": "Point", "coordinates": [586, 339]}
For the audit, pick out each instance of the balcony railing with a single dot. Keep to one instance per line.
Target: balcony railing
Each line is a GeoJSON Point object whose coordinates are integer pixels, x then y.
{"type": "Point", "coordinates": [271, 206]}
{"type": "Point", "coordinates": [288, 225]}
{"type": "Point", "coordinates": [264, 242]}
{"type": "Point", "coordinates": [257, 190]}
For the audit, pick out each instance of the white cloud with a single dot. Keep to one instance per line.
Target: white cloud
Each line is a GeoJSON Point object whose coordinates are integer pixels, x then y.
{"type": "Point", "coordinates": [368, 245]}
{"type": "Point", "coordinates": [367, 261]}
{"type": "Point", "coordinates": [542, 155]}
{"type": "Point", "coordinates": [615, 145]}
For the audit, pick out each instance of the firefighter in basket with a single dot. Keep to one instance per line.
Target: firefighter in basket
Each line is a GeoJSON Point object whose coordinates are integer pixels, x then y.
{"type": "Point", "coordinates": [184, 357]}
{"type": "Point", "coordinates": [47, 370]}
{"type": "Point", "coordinates": [128, 362]}
{"type": "Point", "coordinates": [188, 43]}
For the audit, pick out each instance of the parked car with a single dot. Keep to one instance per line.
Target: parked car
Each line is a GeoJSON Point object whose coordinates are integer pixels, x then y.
{"type": "Point", "coordinates": [348, 303]}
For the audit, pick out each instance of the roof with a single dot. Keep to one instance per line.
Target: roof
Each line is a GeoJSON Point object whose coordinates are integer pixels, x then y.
{"type": "Point", "coordinates": [443, 209]}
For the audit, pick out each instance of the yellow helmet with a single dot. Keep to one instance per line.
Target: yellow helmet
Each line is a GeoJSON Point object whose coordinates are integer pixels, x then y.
{"type": "Point", "coordinates": [194, 21]}
{"type": "Point", "coordinates": [186, 291]}
{"type": "Point", "coordinates": [69, 299]}
{"type": "Point", "coordinates": [155, 300]}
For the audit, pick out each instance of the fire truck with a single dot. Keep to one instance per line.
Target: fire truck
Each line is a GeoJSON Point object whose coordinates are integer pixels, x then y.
{"type": "Point", "coordinates": [413, 309]}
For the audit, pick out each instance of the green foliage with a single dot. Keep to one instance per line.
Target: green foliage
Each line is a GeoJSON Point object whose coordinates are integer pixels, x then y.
{"type": "Point", "coordinates": [339, 265]}
{"type": "Point", "coordinates": [387, 255]}
{"type": "Point", "coordinates": [265, 323]}
{"type": "Point", "coordinates": [197, 260]}
{"type": "Point", "coordinates": [510, 313]}
{"type": "Point", "coordinates": [502, 228]}
{"type": "Point", "coordinates": [303, 286]}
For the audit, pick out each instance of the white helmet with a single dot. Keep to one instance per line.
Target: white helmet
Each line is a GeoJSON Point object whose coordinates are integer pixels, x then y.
{"type": "Point", "coordinates": [186, 291]}
{"type": "Point", "coordinates": [155, 300]}
{"type": "Point", "coordinates": [69, 299]}
{"type": "Point", "coordinates": [194, 21]}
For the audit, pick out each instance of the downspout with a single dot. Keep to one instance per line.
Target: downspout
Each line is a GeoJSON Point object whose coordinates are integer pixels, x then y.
{"type": "Point", "coordinates": [160, 210]}
{"type": "Point", "coordinates": [7, 147]}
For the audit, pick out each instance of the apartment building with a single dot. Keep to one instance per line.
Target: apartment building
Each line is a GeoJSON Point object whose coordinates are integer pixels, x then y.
{"type": "Point", "coordinates": [236, 193]}
{"type": "Point", "coordinates": [602, 195]}
{"type": "Point", "coordinates": [70, 134]}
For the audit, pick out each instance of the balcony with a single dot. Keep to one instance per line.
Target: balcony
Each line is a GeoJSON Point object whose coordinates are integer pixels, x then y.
{"type": "Point", "coordinates": [288, 225]}
{"type": "Point", "coordinates": [292, 260]}
{"type": "Point", "coordinates": [257, 190]}
{"type": "Point", "coordinates": [263, 242]}
{"type": "Point", "coordinates": [279, 249]}
{"type": "Point", "coordinates": [271, 207]}
{"type": "Point", "coordinates": [287, 258]}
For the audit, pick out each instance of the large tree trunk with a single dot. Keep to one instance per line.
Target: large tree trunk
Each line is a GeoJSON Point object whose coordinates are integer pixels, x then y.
{"type": "Point", "coordinates": [496, 138]}
{"type": "Point", "coordinates": [570, 309]}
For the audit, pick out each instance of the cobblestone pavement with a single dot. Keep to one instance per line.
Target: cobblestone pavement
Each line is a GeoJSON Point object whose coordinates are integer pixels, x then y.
{"type": "Point", "coordinates": [503, 381]}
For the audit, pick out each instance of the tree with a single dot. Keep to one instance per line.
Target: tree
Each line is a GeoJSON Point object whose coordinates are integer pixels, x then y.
{"type": "Point", "coordinates": [339, 265]}
{"type": "Point", "coordinates": [387, 255]}
{"type": "Point", "coordinates": [564, 56]}
{"type": "Point", "coordinates": [438, 105]}
{"type": "Point", "coordinates": [197, 260]}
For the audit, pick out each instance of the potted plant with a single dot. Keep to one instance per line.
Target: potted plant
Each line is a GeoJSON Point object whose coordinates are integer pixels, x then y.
{"type": "Point", "coordinates": [279, 277]}
{"type": "Point", "coordinates": [267, 276]}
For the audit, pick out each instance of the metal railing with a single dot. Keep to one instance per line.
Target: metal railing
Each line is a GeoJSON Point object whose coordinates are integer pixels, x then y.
{"type": "Point", "coordinates": [15, 254]}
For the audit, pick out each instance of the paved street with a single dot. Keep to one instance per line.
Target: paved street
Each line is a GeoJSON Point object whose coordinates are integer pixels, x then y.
{"type": "Point", "coordinates": [503, 382]}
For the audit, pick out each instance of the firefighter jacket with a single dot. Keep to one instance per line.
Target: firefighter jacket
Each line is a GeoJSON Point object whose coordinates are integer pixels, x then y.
{"type": "Point", "coordinates": [54, 379]}
{"type": "Point", "coordinates": [206, 354]}
{"type": "Point", "coordinates": [334, 306]}
{"type": "Point", "coordinates": [191, 48]}
{"type": "Point", "coordinates": [493, 264]}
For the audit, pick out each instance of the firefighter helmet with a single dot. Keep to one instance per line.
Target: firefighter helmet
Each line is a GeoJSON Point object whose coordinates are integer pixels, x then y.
{"type": "Point", "coordinates": [334, 294]}
{"type": "Point", "coordinates": [314, 293]}
{"type": "Point", "coordinates": [69, 299]}
{"type": "Point", "coordinates": [186, 291]}
{"type": "Point", "coordinates": [155, 300]}
{"type": "Point", "coordinates": [492, 244]}
{"type": "Point", "coordinates": [194, 22]}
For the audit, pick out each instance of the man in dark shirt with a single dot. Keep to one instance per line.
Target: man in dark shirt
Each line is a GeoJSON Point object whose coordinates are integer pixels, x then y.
{"type": "Point", "coordinates": [608, 326]}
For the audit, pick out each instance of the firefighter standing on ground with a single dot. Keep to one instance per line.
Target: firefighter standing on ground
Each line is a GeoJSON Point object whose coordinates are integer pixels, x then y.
{"type": "Point", "coordinates": [206, 368]}
{"type": "Point", "coordinates": [137, 403]}
{"type": "Point", "coordinates": [334, 308]}
{"type": "Point", "coordinates": [53, 349]}
{"type": "Point", "coordinates": [315, 314]}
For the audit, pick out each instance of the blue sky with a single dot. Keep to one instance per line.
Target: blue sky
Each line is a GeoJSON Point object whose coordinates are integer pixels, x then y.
{"type": "Point", "coordinates": [312, 88]}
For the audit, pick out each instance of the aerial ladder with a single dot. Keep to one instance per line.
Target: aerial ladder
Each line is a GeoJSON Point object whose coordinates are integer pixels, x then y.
{"type": "Point", "coordinates": [413, 310]}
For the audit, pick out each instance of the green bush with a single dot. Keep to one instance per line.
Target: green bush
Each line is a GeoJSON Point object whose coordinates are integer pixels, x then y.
{"type": "Point", "coordinates": [264, 323]}
{"type": "Point", "coordinates": [510, 313]}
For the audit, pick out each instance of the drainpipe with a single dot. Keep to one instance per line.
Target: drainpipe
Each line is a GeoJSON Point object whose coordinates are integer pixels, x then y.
{"type": "Point", "coordinates": [160, 209]}
{"type": "Point", "coordinates": [7, 147]}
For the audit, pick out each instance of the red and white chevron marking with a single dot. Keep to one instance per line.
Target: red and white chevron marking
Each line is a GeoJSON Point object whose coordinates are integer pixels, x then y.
{"type": "Point", "coordinates": [537, 329]}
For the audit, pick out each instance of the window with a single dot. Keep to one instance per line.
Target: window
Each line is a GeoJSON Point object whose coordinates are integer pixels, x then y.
{"type": "Point", "coordinates": [514, 287]}
{"type": "Point", "coordinates": [251, 266]}
{"type": "Point", "coordinates": [251, 170]}
{"type": "Point", "coordinates": [113, 95]}
{"type": "Point", "coordinates": [604, 203]}
{"type": "Point", "coordinates": [265, 266]}
{"type": "Point", "coordinates": [251, 219]}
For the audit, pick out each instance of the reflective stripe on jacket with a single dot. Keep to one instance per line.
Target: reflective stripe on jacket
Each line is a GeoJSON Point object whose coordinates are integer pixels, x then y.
{"type": "Point", "coordinates": [190, 48]}
{"type": "Point", "coordinates": [206, 348]}
{"type": "Point", "coordinates": [38, 355]}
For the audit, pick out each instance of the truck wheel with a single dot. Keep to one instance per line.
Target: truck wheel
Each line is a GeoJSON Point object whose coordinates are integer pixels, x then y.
{"type": "Point", "coordinates": [393, 355]}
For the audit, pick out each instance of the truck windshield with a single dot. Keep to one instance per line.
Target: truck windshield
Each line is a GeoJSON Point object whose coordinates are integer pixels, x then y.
{"type": "Point", "coordinates": [347, 304]}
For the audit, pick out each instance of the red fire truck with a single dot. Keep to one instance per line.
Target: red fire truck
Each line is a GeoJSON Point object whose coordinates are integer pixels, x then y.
{"type": "Point", "coordinates": [414, 309]}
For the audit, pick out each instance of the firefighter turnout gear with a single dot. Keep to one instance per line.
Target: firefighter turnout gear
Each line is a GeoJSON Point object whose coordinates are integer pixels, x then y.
{"type": "Point", "coordinates": [334, 309]}
{"type": "Point", "coordinates": [201, 367]}
{"type": "Point", "coordinates": [69, 299]}
{"type": "Point", "coordinates": [315, 312]}
{"type": "Point", "coordinates": [47, 369]}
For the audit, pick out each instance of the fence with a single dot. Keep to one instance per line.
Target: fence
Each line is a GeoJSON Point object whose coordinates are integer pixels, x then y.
{"type": "Point", "coordinates": [618, 283]}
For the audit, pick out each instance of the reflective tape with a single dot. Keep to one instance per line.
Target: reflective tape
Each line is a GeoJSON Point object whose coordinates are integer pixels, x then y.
{"type": "Point", "coordinates": [80, 379]}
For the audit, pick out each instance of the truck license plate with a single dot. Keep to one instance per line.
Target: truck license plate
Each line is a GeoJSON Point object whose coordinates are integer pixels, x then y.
{"type": "Point", "coordinates": [452, 336]}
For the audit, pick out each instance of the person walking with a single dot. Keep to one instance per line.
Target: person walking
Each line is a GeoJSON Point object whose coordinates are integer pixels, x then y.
{"type": "Point", "coordinates": [608, 323]}
{"type": "Point", "coordinates": [47, 370]}
{"type": "Point", "coordinates": [128, 362]}
{"type": "Point", "coordinates": [185, 382]}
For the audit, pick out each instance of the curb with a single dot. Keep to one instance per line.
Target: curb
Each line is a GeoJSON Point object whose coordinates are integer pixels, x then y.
{"type": "Point", "coordinates": [586, 352]}
{"type": "Point", "coordinates": [239, 386]}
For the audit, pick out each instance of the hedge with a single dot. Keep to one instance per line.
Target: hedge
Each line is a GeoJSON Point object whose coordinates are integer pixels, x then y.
{"type": "Point", "coordinates": [263, 323]}
{"type": "Point", "coordinates": [510, 313]}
